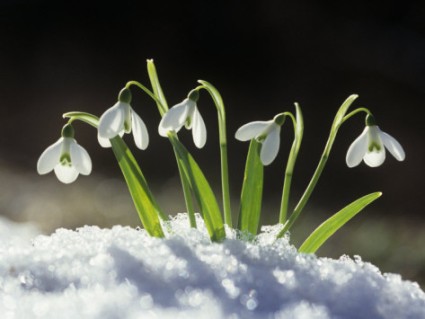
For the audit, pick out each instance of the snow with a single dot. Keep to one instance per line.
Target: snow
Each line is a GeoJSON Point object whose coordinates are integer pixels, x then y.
{"type": "Point", "coordinates": [124, 273]}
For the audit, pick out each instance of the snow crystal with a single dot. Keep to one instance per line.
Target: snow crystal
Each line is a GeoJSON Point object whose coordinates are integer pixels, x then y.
{"type": "Point", "coordinates": [124, 273]}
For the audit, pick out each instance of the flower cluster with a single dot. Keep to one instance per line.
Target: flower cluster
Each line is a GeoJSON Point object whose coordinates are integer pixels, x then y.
{"type": "Point", "coordinates": [68, 159]}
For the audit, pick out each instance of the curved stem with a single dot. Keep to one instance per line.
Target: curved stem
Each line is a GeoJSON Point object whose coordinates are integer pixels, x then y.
{"type": "Point", "coordinates": [340, 118]}
{"type": "Point", "coordinates": [218, 101]}
{"type": "Point", "coordinates": [356, 111]}
{"type": "Point", "coordinates": [161, 107]}
{"type": "Point", "coordinates": [298, 125]}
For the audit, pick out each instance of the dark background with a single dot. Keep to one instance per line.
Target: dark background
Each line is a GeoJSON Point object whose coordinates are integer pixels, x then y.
{"type": "Point", "coordinates": [262, 56]}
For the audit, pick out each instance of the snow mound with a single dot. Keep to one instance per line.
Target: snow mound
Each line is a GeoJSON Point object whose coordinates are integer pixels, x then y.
{"type": "Point", "coordinates": [124, 273]}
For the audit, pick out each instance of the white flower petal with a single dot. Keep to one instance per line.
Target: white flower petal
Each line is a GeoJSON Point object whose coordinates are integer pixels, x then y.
{"type": "Point", "coordinates": [251, 130]}
{"type": "Point", "coordinates": [393, 146]}
{"type": "Point", "coordinates": [104, 142]}
{"type": "Point", "coordinates": [175, 118]}
{"type": "Point", "coordinates": [270, 146]}
{"type": "Point", "coordinates": [375, 158]}
{"type": "Point", "coordinates": [80, 159]}
{"type": "Point", "coordinates": [357, 149]}
{"type": "Point", "coordinates": [111, 122]}
{"type": "Point", "coordinates": [140, 132]}
{"type": "Point", "coordinates": [49, 158]}
{"type": "Point", "coordinates": [199, 131]}
{"type": "Point", "coordinates": [66, 173]}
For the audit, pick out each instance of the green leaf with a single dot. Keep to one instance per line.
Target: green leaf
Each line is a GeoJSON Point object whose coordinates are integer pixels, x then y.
{"type": "Point", "coordinates": [146, 206]}
{"type": "Point", "coordinates": [252, 190]}
{"type": "Point", "coordinates": [331, 225]}
{"type": "Point", "coordinates": [203, 193]}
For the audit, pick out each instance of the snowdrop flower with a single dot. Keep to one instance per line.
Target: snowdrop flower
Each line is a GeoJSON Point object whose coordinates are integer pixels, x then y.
{"type": "Point", "coordinates": [65, 157]}
{"type": "Point", "coordinates": [265, 132]}
{"type": "Point", "coordinates": [120, 119]}
{"type": "Point", "coordinates": [185, 113]}
{"type": "Point", "coordinates": [370, 146]}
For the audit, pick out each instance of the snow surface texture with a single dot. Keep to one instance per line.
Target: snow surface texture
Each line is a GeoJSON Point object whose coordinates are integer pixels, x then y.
{"type": "Point", "coordinates": [124, 273]}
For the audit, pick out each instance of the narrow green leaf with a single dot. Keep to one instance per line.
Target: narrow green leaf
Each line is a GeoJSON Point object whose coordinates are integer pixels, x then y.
{"type": "Point", "coordinates": [252, 191]}
{"type": "Point", "coordinates": [146, 206]}
{"type": "Point", "coordinates": [331, 225]}
{"type": "Point", "coordinates": [202, 190]}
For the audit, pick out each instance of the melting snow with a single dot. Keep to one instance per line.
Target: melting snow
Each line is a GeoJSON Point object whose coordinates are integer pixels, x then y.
{"type": "Point", "coordinates": [124, 273]}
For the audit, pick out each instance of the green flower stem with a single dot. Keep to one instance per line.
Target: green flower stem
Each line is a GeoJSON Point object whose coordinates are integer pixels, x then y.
{"type": "Point", "coordinates": [159, 97]}
{"type": "Point", "coordinates": [218, 101]}
{"type": "Point", "coordinates": [339, 119]}
{"type": "Point", "coordinates": [356, 111]}
{"type": "Point", "coordinates": [162, 109]}
{"type": "Point", "coordinates": [298, 134]}
{"type": "Point", "coordinates": [186, 190]}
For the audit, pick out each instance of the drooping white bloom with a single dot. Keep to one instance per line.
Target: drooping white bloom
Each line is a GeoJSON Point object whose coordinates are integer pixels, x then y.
{"type": "Point", "coordinates": [370, 147]}
{"type": "Point", "coordinates": [67, 158]}
{"type": "Point", "coordinates": [185, 113]}
{"type": "Point", "coordinates": [265, 132]}
{"type": "Point", "coordinates": [120, 119]}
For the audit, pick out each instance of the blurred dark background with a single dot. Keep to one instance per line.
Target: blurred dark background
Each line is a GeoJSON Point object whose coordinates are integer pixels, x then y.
{"type": "Point", "coordinates": [262, 56]}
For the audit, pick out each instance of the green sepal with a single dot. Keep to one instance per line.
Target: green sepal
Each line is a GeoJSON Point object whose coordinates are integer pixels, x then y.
{"type": "Point", "coordinates": [252, 190]}
{"type": "Point", "coordinates": [322, 233]}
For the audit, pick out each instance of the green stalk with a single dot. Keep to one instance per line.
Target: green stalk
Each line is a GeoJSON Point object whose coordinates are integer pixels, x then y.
{"type": "Point", "coordinates": [186, 190]}
{"type": "Point", "coordinates": [339, 119]}
{"type": "Point", "coordinates": [161, 102]}
{"type": "Point", "coordinates": [218, 101]}
{"type": "Point", "coordinates": [298, 135]}
{"type": "Point", "coordinates": [148, 92]}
